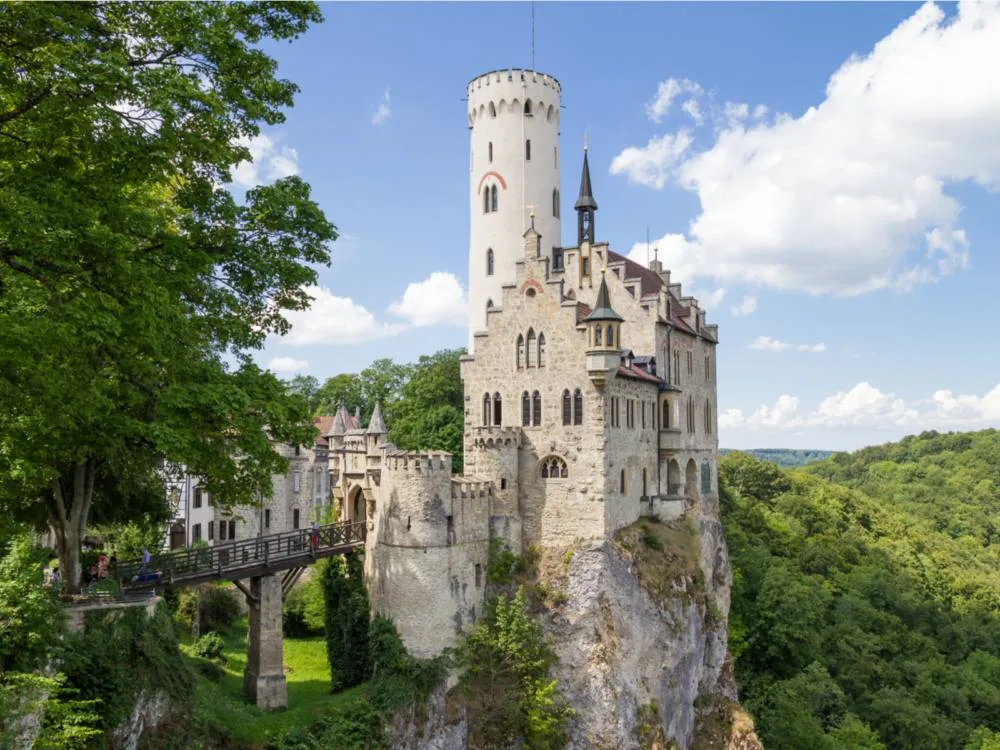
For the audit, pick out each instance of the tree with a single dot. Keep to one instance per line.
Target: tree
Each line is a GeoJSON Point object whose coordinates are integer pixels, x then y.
{"type": "Point", "coordinates": [307, 387]}
{"type": "Point", "coordinates": [340, 390]}
{"type": "Point", "coordinates": [133, 285]}
{"type": "Point", "coordinates": [430, 412]}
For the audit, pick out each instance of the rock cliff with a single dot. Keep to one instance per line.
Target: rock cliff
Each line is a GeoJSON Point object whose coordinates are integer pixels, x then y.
{"type": "Point", "coordinates": [639, 627]}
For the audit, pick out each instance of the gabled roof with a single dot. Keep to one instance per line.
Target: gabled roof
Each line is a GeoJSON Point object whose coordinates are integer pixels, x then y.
{"type": "Point", "coordinates": [651, 281]}
{"type": "Point", "coordinates": [637, 373]}
{"type": "Point", "coordinates": [324, 423]}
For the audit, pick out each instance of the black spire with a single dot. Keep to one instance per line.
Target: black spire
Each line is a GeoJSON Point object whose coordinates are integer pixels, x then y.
{"type": "Point", "coordinates": [585, 206]}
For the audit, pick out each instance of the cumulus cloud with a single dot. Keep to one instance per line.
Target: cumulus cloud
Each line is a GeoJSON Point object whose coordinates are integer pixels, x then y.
{"type": "Point", "coordinates": [849, 196]}
{"type": "Point", "coordinates": [287, 364]}
{"type": "Point", "coordinates": [768, 344]}
{"type": "Point", "coordinates": [439, 298]}
{"type": "Point", "coordinates": [864, 405]}
{"type": "Point", "coordinates": [652, 164]}
{"type": "Point", "coordinates": [710, 300]}
{"type": "Point", "coordinates": [335, 320]}
{"type": "Point", "coordinates": [269, 162]}
{"type": "Point", "coordinates": [746, 306]}
{"type": "Point", "coordinates": [666, 93]}
{"type": "Point", "coordinates": [383, 112]}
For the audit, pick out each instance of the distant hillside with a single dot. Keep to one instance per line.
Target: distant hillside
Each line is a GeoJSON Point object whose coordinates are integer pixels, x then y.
{"type": "Point", "coordinates": [784, 456]}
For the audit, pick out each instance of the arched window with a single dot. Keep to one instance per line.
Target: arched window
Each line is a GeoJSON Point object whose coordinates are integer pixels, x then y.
{"type": "Point", "coordinates": [493, 113]}
{"type": "Point", "coordinates": [644, 493]}
{"type": "Point", "coordinates": [536, 409]}
{"type": "Point", "coordinates": [527, 150]}
{"type": "Point", "coordinates": [527, 106]}
{"type": "Point", "coordinates": [555, 202]}
{"type": "Point", "coordinates": [489, 261]}
{"type": "Point", "coordinates": [566, 408]}
{"type": "Point", "coordinates": [577, 407]}
{"type": "Point", "coordinates": [691, 420]}
{"type": "Point", "coordinates": [496, 409]}
{"type": "Point", "coordinates": [531, 352]}
{"type": "Point", "coordinates": [490, 148]}
{"type": "Point", "coordinates": [665, 422]}
{"type": "Point", "coordinates": [611, 335]}
{"type": "Point", "coordinates": [621, 483]}
{"type": "Point", "coordinates": [597, 335]}
{"type": "Point", "coordinates": [553, 467]}
{"type": "Point", "coordinates": [520, 351]}
{"type": "Point", "coordinates": [541, 350]}
{"type": "Point", "coordinates": [525, 410]}
{"type": "Point", "coordinates": [486, 200]}
{"type": "Point", "coordinates": [493, 198]}
{"type": "Point", "coordinates": [489, 304]}
{"type": "Point", "coordinates": [706, 477]}
{"type": "Point", "coordinates": [487, 410]}
{"type": "Point", "coordinates": [708, 418]}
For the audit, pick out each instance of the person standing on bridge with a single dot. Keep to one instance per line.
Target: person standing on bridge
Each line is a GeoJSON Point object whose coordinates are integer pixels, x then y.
{"type": "Point", "coordinates": [314, 535]}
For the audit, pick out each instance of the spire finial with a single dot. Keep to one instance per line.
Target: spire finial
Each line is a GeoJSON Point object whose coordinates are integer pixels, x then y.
{"type": "Point", "coordinates": [584, 140]}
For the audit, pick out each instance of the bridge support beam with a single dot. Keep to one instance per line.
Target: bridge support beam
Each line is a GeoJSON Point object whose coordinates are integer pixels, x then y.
{"type": "Point", "coordinates": [264, 675]}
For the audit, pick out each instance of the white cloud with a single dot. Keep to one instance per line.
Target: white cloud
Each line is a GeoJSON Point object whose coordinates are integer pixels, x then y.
{"type": "Point", "coordinates": [439, 298]}
{"type": "Point", "coordinates": [287, 364]}
{"type": "Point", "coordinates": [759, 111]}
{"type": "Point", "coordinates": [864, 405]}
{"type": "Point", "coordinates": [269, 162]}
{"type": "Point", "coordinates": [693, 110]}
{"type": "Point", "coordinates": [768, 344]}
{"type": "Point", "coordinates": [666, 93]}
{"type": "Point", "coordinates": [735, 113]}
{"type": "Point", "coordinates": [746, 306]}
{"type": "Point", "coordinates": [710, 300]}
{"type": "Point", "coordinates": [335, 320]}
{"type": "Point", "coordinates": [383, 112]}
{"type": "Point", "coordinates": [652, 164]}
{"type": "Point", "coordinates": [850, 196]}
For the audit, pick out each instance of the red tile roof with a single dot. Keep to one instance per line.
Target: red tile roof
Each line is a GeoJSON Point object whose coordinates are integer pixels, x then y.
{"type": "Point", "coordinates": [651, 281]}
{"type": "Point", "coordinates": [637, 373]}
{"type": "Point", "coordinates": [582, 311]}
{"type": "Point", "coordinates": [325, 424]}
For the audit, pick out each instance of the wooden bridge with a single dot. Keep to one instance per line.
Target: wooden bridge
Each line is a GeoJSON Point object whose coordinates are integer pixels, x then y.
{"type": "Point", "coordinates": [247, 558]}
{"type": "Point", "coordinates": [260, 560]}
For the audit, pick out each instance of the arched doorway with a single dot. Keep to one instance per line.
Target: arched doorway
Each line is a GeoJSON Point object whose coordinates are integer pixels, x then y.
{"type": "Point", "coordinates": [673, 477]}
{"type": "Point", "coordinates": [356, 505]}
{"type": "Point", "coordinates": [691, 482]}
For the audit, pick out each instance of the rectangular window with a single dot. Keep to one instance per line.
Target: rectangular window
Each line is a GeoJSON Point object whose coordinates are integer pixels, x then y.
{"type": "Point", "coordinates": [232, 529]}
{"type": "Point", "coordinates": [196, 533]}
{"type": "Point", "coordinates": [295, 518]}
{"type": "Point", "coordinates": [267, 518]}
{"type": "Point", "coordinates": [677, 368]}
{"type": "Point", "coordinates": [585, 267]}
{"type": "Point", "coordinates": [644, 415]}
{"type": "Point", "coordinates": [197, 497]}
{"type": "Point", "coordinates": [211, 530]}
{"type": "Point", "coordinates": [296, 481]}
{"type": "Point", "coordinates": [708, 367]}
{"type": "Point", "coordinates": [690, 361]}
{"type": "Point", "coordinates": [222, 531]}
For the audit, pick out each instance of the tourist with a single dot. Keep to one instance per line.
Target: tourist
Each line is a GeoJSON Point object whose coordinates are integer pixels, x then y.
{"type": "Point", "coordinates": [102, 566]}
{"type": "Point", "coordinates": [314, 536]}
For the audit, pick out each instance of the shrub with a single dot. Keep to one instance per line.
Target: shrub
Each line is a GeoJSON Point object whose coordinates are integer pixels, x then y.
{"type": "Point", "coordinates": [209, 670]}
{"type": "Point", "coordinates": [30, 617]}
{"type": "Point", "coordinates": [347, 622]}
{"type": "Point", "coordinates": [209, 646]}
{"type": "Point", "coordinates": [219, 608]}
{"type": "Point", "coordinates": [304, 609]}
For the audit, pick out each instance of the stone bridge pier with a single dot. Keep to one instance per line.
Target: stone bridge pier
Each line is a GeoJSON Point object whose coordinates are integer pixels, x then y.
{"type": "Point", "coordinates": [264, 675]}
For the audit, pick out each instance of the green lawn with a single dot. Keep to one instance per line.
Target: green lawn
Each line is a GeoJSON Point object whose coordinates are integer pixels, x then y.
{"type": "Point", "coordinates": [222, 710]}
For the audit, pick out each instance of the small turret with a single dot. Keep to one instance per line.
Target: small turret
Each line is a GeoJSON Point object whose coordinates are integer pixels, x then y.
{"type": "Point", "coordinates": [532, 239]}
{"type": "Point", "coordinates": [339, 427]}
{"type": "Point", "coordinates": [376, 426]}
{"type": "Point", "coordinates": [604, 327]}
{"type": "Point", "coordinates": [586, 206]}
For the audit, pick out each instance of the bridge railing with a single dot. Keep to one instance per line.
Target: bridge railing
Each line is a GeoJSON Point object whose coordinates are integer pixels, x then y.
{"type": "Point", "coordinates": [221, 559]}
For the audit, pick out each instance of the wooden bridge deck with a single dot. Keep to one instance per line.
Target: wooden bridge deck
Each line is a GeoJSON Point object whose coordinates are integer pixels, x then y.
{"type": "Point", "coordinates": [247, 558]}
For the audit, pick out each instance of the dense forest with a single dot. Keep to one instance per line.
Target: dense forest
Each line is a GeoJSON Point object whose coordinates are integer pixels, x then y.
{"type": "Point", "coordinates": [866, 595]}
{"type": "Point", "coordinates": [788, 457]}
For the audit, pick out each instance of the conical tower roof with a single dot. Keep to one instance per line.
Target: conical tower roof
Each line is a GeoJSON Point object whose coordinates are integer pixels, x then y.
{"type": "Point", "coordinates": [377, 425]}
{"type": "Point", "coordinates": [602, 308]}
{"type": "Point", "coordinates": [339, 427]}
{"type": "Point", "coordinates": [586, 199]}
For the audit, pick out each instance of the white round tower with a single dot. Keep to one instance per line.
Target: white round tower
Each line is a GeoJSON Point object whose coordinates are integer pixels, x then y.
{"type": "Point", "coordinates": [514, 168]}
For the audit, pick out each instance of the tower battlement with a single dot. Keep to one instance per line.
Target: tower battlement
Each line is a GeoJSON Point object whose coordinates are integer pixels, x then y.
{"type": "Point", "coordinates": [417, 463]}
{"type": "Point", "coordinates": [513, 75]}
{"type": "Point", "coordinates": [466, 487]}
{"type": "Point", "coordinates": [486, 438]}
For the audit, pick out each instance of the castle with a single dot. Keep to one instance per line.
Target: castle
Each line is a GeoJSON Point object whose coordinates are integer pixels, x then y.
{"type": "Point", "coordinates": [590, 394]}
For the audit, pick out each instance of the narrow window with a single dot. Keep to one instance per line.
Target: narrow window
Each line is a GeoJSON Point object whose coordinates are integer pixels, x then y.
{"type": "Point", "coordinates": [197, 497]}
{"type": "Point", "coordinates": [295, 518]}
{"type": "Point", "coordinates": [503, 483]}
{"type": "Point", "coordinates": [527, 150]}
{"type": "Point", "coordinates": [479, 575]}
{"type": "Point", "coordinates": [486, 200]}
{"type": "Point", "coordinates": [566, 408]}
{"type": "Point", "coordinates": [577, 407]}
{"type": "Point", "coordinates": [597, 335]}
{"type": "Point", "coordinates": [489, 261]}
{"type": "Point", "coordinates": [555, 157]}
{"type": "Point", "coordinates": [555, 202]}
{"type": "Point", "coordinates": [690, 362]}
{"type": "Point", "coordinates": [491, 148]}
{"type": "Point", "coordinates": [297, 481]}
{"type": "Point", "coordinates": [496, 409]}
{"type": "Point", "coordinates": [708, 418]}
{"type": "Point", "coordinates": [527, 106]}
{"type": "Point", "coordinates": [196, 532]}
{"type": "Point", "coordinates": [487, 412]}
{"type": "Point", "coordinates": [531, 351]}
{"type": "Point", "coordinates": [677, 367]}
{"type": "Point", "coordinates": [536, 409]}
{"type": "Point", "coordinates": [708, 368]}
{"type": "Point", "coordinates": [520, 351]}
{"type": "Point", "coordinates": [525, 410]}
{"type": "Point", "coordinates": [611, 336]}
{"type": "Point", "coordinates": [585, 267]}
{"type": "Point", "coordinates": [222, 531]}
{"type": "Point", "coordinates": [621, 482]}
{"type": "Point", "coordinates": [557, 259]}
{"type": "Point", "coordinates": [644, 483]}
{"type": "Point", "coordinates": [644, 422]}
{"type": "Point", "coordinates": [232, 529]}
{"type": "Point", "coordinates": [211, 530]}
{"type": "Point", "coordinates": [541, 350]}
{"type": "Point", "coordinates": [298, 450]}
{"type": "Point", "coordinates": [706, 477]}
{"type": "Point", "coordinates": [493, 198]}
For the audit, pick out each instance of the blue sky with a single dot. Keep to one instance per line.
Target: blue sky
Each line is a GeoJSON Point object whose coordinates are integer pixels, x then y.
{"type": "Point", "coordinates": [822, 176]}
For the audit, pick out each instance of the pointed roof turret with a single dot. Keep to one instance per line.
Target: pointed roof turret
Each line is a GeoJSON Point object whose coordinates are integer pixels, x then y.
{"type": "Point", "coordinates": [377, 425]}
{"type": "Point", "coordinates": [602, 307]}
{"type": "Point", "coordinates": [586, 199]}
{"type": "Point", "coordinates": [339, 427]}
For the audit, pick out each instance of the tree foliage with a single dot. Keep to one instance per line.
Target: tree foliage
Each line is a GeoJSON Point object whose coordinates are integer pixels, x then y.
{"type": "Point", "coordinates": [864, 602]}
{"type": "Point", "coordinates": [347, 621]}
{"type": "Point", "coordinates": [133, 285]}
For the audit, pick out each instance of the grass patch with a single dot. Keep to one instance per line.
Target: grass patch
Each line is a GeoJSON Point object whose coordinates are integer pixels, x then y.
{"type": "Point", "coordinates": [666, 556]}
{"type": "Point", "coordinates": [222, 711]}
